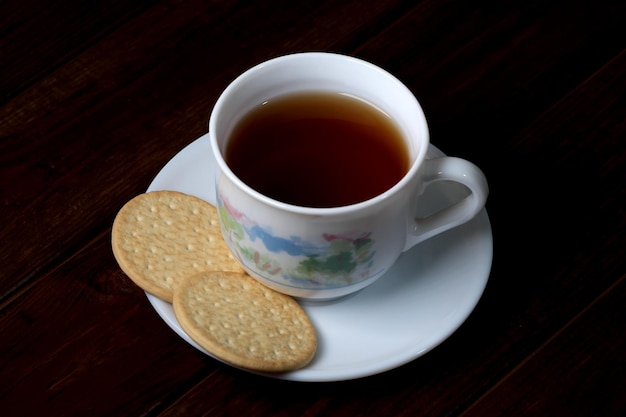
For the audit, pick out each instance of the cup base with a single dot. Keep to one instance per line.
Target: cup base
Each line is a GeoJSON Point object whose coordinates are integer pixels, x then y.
{"type": "Point", "coordinates": [314, 295]}
{"type": "Point", "coordinates": [326, 302]}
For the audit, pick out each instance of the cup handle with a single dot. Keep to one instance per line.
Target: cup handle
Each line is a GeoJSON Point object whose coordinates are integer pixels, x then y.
{"type": "Point", "coordinates": [449, 169]}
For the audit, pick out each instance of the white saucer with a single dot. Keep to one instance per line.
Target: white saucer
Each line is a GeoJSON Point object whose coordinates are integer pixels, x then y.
{"type": "Point", "coordinates": [420, 302]}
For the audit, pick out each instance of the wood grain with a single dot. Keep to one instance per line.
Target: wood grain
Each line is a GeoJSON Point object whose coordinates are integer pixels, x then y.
{"type": "Point", "coordinates": [58, 353]}
{"type": "Point", "coordinates": [584, 380]}
{"type": "Point", "coordinates": [37, 37]}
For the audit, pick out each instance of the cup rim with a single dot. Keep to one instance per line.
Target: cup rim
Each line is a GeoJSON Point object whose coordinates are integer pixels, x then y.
{"type": "Point", "coordinates": [392, 191]}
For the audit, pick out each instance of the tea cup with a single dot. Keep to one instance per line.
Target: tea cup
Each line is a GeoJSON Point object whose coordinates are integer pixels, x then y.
{"type": "Point", "coordinates": [323, 253]}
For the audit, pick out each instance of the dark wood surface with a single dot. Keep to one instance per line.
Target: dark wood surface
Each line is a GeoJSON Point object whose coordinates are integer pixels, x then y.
{"type": "Point", "coordinates": [95, 97]}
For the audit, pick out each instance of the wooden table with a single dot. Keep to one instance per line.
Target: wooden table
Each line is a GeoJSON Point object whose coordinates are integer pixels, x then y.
{"type": "Point", "coordinates": [95, 97]}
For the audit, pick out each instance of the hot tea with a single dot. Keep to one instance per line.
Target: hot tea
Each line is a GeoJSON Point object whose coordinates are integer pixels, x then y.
{"type": "Point", "coordinates": [317, 149]}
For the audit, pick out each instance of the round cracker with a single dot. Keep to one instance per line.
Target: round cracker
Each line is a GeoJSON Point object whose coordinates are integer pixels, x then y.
{"type": "Point", "coordinates": [244, 323]}
{"type": "Point", "coordinates": [160, 237]}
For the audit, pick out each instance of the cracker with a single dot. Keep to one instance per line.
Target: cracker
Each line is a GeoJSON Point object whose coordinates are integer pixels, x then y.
{"type": "Point", "coordinates": [160, 237]}
{"type": "Point", "coordinates": [242, 322]}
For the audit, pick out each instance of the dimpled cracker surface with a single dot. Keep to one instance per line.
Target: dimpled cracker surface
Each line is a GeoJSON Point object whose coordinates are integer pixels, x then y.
{"type": "Point", "coordinates": [160, 237]}
{"type": "Point", "coordinates": [244, 323]}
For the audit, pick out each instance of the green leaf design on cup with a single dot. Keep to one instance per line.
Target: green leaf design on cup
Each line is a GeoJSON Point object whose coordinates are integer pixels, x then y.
{"type": "Point", "coordinates": [336, 260]}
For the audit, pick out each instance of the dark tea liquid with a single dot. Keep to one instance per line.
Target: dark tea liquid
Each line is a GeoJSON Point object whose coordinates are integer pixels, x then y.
{"type": "Point", "coordinates": [317, 149]}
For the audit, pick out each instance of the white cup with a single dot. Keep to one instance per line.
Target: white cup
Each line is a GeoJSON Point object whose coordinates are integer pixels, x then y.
{"type": "Point", "coordinates": [290, 248]}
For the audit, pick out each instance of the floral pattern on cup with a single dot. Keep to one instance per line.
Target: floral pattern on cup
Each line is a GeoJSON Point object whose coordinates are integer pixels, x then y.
{"type": "Point", "coordinates": [336, 260]}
